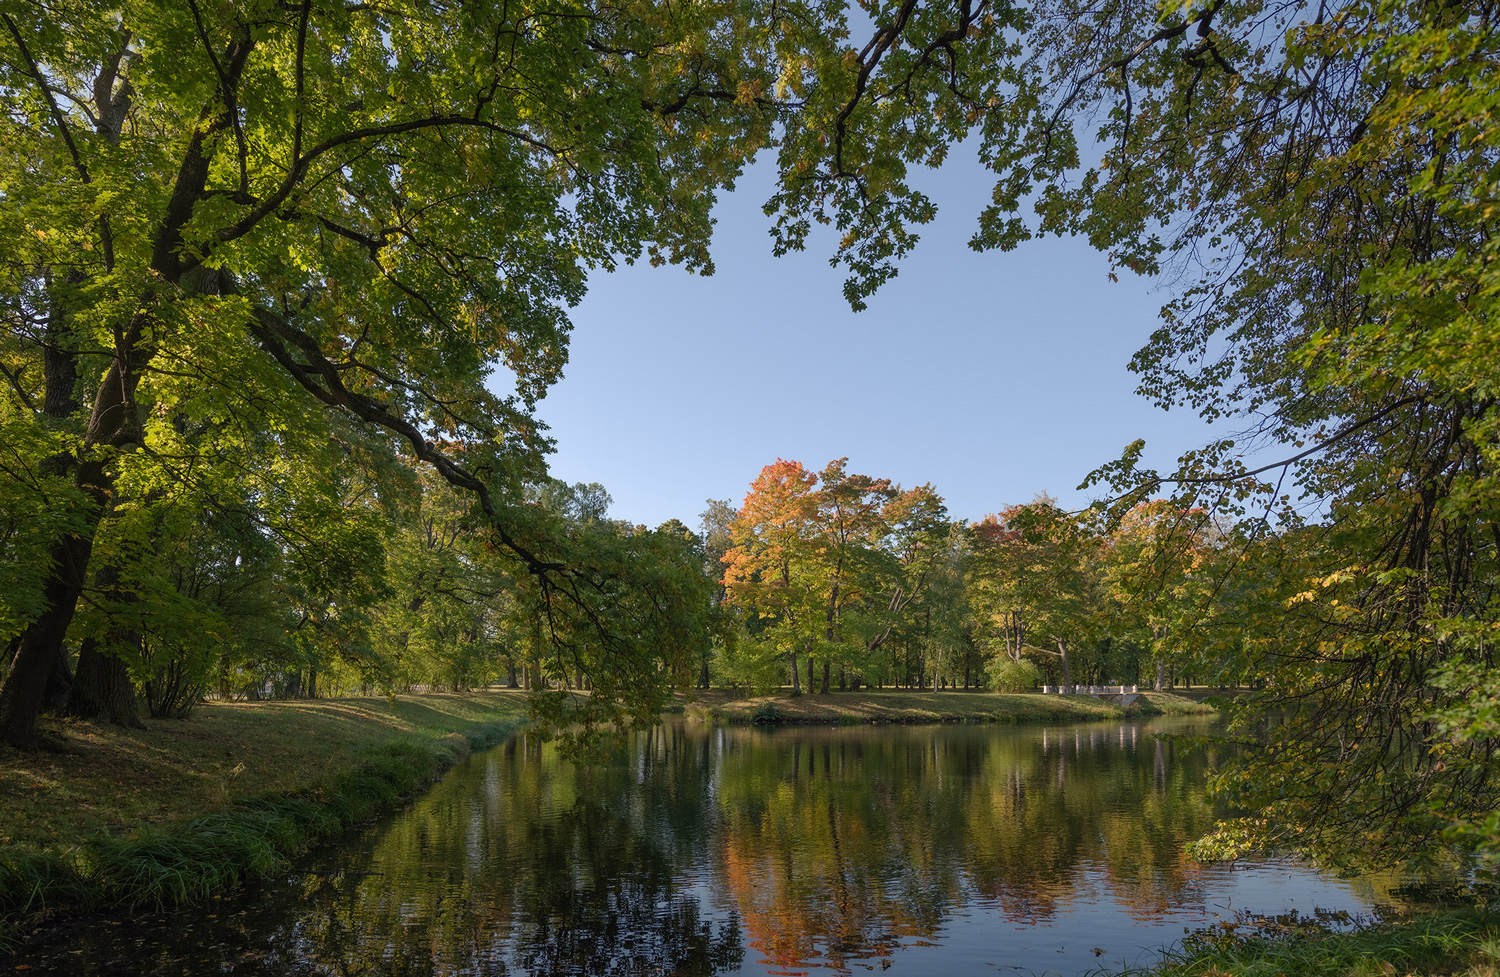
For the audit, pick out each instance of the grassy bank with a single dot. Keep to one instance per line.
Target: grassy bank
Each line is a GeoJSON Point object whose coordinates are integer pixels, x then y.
{"type": "Point", "coordinates": [852, 708]}
{"type": "Point", "coordinates": [1453, 943]}
{"type": "Point", "coordinates": [109, 817]}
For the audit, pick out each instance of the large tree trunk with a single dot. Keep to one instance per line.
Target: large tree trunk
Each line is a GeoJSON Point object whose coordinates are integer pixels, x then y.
{"type": "Point", "coordinates": [114, 419]}
{"type": "Point", "coordinates": [21, 695]}
{"type": "Point", "coordinates": [796, 688]}
{"type": "Point", "coordinates": [59, 683]}
{"type": "Point", "coordinates": [114, 423]}
{"type": "Point", "coordinates": [1067, 670]}
{"type": "Point", "coordinates": [103, 692]}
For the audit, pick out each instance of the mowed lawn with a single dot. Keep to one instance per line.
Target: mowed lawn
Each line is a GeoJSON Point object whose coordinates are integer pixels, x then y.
{"type": "Point", "coordinates": [91, 778]}
{"type": "Point", "coordinates": [903, 706]}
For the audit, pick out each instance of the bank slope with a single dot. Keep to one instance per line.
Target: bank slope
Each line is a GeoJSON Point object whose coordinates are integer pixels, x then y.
{"type": "Point", "coordinates": [109, 817]}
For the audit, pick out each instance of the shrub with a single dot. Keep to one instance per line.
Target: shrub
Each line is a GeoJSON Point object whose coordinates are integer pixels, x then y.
{"type": "Point", "coordinates": [745, 663]}
{"type": "Point", "coordinates": [766, 715]}
{"type": "Point", "coordinates": [1007, 675]}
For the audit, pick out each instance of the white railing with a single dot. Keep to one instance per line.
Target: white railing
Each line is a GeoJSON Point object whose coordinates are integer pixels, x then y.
{"type": "Point", "coordinates": [1089, 689]}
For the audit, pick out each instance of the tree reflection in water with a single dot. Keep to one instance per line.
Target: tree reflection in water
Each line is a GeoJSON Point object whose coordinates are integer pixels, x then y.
{"type": "Point", "coordinates": [705, 851]}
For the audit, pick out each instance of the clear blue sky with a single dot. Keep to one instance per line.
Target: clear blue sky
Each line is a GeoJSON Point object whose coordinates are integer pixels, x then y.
{"type": "Point", "coordinates": [992, 376]}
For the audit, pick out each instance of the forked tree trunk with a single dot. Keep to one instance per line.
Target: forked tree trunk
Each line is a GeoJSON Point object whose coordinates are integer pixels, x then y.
{"type": "Point", "coordinates": [113, 421]}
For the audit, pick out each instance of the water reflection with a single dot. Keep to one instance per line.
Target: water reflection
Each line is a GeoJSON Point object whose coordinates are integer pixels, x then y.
{"type": "Point", "coordinates": [712, 851]}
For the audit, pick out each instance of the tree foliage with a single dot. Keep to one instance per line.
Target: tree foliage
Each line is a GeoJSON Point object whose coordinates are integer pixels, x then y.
{"type": "Point", "coordinates": [261, 220]}
{"type": "Point", "coordinates": [832, 566]}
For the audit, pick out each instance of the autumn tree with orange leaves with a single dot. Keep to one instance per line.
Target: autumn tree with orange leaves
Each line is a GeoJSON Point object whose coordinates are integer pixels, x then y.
{"type": "Point", "coordinates": [827, 562]}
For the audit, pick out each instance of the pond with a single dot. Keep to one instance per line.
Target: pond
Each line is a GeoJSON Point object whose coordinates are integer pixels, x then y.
{"type": "Point", "coordinates": [702, 850]}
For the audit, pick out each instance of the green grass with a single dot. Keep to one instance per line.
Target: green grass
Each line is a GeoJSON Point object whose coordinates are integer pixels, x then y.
{"type": "Point", "coordinates": [1463, 943]}
{"type": "Point", "coordinates": [303, 773]}
{"type": "Point", "coordinates": [1171, 704]}
{"type": "Point", "coordinates": [850, 708]}
{"type": "Point", "coordinates": [105, 778]}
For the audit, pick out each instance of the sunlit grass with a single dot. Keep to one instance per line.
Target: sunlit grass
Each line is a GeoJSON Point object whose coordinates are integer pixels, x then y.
{"type": "Point", "coordinates": [899, 706]}
{"type": "Point", "coordinates": [106, 778]}
{"type": "Point", "coordinates": [137, 818]}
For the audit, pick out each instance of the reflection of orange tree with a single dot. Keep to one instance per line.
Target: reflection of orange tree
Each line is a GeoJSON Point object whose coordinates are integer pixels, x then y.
{"type": "Point", "coordinates": [833, 846]}
{"type": "Point", "coordinates": [840, 845]}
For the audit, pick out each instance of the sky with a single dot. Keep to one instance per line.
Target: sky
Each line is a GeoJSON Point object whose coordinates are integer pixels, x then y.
{"type": "Point", "coordinates": [992, 376]}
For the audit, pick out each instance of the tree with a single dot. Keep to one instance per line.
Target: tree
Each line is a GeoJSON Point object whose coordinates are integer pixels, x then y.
{"type": "Point", "coordinates": [1154, 568]}
{"type": "Point", "coordinates": [1321, 170]}
{"type": "Point", "coordinates": [1313, 183]}
{"type": "Point", "coordinates": [770, 568]}
{"type": "Point", "coordinates": [715, 522]}
{"type": "Point", "coordinates": [1035, 577]}
{"type": "Point", "coordinates": [836, 562]}
{"type": "Point", "coordinates": [257, 208]}
{"type": "Point", "coordinates": [918, 598]}
{"type": "Point", "coordinates": [846, 524]}
{"type": "Point", "coordinates": [365, 207]}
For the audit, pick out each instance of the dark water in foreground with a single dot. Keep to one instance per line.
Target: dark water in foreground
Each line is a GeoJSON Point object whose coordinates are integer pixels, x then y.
{"type": "Point", "coordinates": [925, 850]}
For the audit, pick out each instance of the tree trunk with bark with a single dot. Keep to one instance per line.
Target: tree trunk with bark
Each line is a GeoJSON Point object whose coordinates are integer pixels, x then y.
{"type": "Point", "coordinates": [103, 691]}
{"type": "Point", "coordinates": [21, 695]}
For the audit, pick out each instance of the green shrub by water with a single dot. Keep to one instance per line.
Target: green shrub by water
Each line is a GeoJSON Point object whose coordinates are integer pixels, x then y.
{"type": "Point", "coordinates": [158, 867]}
{"type": "Point", "coordinates": [766, 715]}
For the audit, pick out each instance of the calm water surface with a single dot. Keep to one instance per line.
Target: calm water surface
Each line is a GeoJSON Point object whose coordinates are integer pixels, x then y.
{"type": "Point", "coordinates": [916, 850]}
